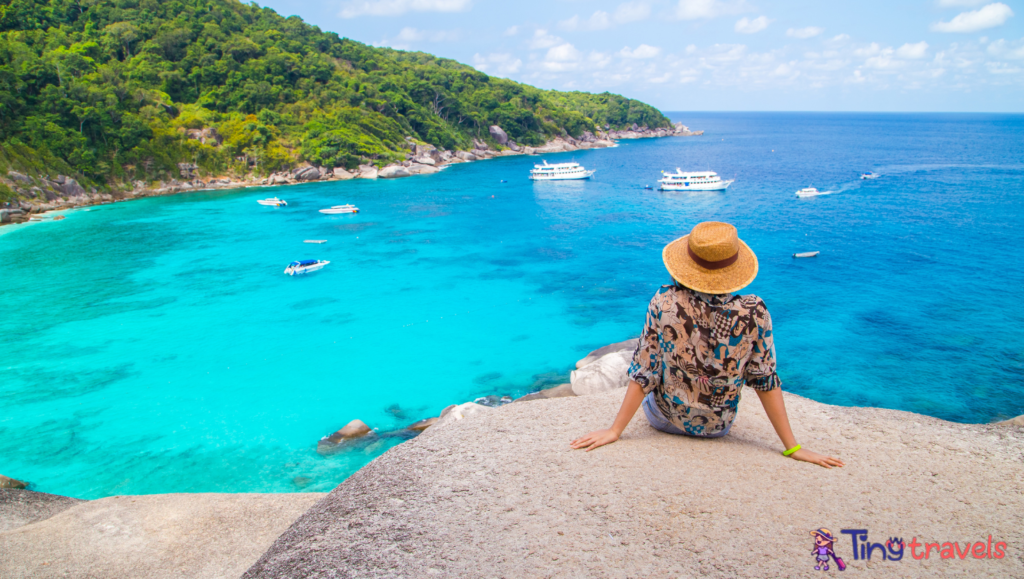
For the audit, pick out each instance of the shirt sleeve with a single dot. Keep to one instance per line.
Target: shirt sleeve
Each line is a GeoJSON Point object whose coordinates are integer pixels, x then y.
{"type": "Point", "coordinates": [645, 368]}
{"type": "Point", "coordinates": [760, 369]}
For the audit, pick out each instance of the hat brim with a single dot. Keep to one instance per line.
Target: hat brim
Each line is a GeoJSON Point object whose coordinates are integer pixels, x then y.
{"type": "Point", "coordinates": [684, 270]}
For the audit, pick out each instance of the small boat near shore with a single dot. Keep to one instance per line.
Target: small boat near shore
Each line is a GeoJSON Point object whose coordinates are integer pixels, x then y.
{"type": "Point", "coordinates": [693, 181]}
{"type": "Point", "coordinates": [559, 172]}
{"type": "Point", "coordinates": [314, 241]}
{"type": "Point", "coordinates": [869, 175]}
{"type": "Point", "coordinates": [272, 202]}
{"type": "Point", "coordinates": [807, 254]}
{"type": "Point", "coordinates": [337, 209]}
{"type": "Point", "coordinates": [305, 266]}
{"type": "Point", "coordinates": [810, 192]}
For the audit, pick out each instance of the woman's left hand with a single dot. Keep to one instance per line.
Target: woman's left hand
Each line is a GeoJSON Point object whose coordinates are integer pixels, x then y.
{"type": "Point", "coordinates": [595, 439]}
{"type": "Point", "coordinates": [815, 458]}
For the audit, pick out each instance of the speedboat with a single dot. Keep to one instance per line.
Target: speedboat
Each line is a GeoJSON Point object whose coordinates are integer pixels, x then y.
{"type": "Point", "coordinates": [807, 254]}
{"type": "Point", "coordinates": [810, 192]}
{"type": "Point", "coordinates": [869, 175]}
{"type": "Point", "coordinates": [559, 172]}
{"type": "Point", "coordinates": [273, 202]}
{"type": "Point", "coordinates": [305, 266]}
{"type": "Point", "coordinates": [695, 181]}
{"type": "Point", "coordinates": [340, 209]}
{"type": "Point", "coordinates": [314, 241]}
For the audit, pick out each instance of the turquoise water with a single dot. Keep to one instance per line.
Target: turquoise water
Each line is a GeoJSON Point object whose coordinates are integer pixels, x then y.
{"type": "Point", "coordinates": [155, 345]}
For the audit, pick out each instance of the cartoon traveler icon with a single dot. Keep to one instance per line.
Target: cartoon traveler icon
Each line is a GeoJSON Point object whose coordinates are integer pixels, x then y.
{"type": "Point", "coordinates": [823, 541]}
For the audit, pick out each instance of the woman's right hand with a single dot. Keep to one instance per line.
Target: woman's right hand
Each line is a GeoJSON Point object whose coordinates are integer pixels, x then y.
{"type": "Point", "coordinates": [595, 439]}
{"type": "Point", "coordinates": [819, 459]}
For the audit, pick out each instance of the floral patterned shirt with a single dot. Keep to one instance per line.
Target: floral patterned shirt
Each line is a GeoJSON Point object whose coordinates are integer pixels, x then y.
{"type": "Point", "coordinates": [697, 352]}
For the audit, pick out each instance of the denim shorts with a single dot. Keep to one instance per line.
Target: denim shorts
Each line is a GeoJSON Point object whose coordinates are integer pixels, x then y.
{"type": "Point", "coordinates": [659, 422]}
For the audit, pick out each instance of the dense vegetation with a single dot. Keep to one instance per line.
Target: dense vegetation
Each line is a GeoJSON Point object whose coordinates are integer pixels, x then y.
{"type": "Point", "coordinates": [113, 91]}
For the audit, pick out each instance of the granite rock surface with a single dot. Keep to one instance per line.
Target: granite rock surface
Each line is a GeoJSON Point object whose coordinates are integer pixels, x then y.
{"type": "Point", "coordinates": [500, 494]}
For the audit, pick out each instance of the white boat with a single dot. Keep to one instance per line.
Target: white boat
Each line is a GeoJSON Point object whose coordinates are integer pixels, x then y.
{"type": "Point", "coordinates": [314, 241]}
{"type": "Point", "coordinates": [807, 254]}
{"type": "Point", "coordinates": [810, 192]}
{"type": "Point", "coordinates": [869, 175]}
{"type": "Point", "coordinates": [305, 266]}
{"type": "Point", "coordinates": [694, 181]}
{"type": "Point", "coordinates": [340, 209]}
{"type": "Point", "coordinates": [559, 172]}
{"type": "Point", "coordinates": [273, 202]}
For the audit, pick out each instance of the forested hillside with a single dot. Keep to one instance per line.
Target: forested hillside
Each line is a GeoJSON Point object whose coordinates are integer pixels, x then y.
{"type": "Point", "coordinates": [113, 91]}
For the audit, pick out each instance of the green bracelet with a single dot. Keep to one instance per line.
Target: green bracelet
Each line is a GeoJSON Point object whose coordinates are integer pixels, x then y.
{"type": "Point", "coordinates": [790, 451]}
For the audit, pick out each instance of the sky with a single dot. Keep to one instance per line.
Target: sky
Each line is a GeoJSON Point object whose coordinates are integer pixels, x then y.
{"type": "Point", "coordinates": [710, 55]}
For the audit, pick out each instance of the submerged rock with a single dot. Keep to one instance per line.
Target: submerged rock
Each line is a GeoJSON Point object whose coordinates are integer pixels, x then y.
{"type": "Point", "coordinates": [421, 425]}
{"type": "Point", "coordinates": [7, 482]}
{"type": "Point", "coordinates": [357, 429]}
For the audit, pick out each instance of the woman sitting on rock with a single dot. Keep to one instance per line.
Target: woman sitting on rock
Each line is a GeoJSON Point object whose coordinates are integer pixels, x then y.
{"type": "Point", "coordinates": [701, 345]}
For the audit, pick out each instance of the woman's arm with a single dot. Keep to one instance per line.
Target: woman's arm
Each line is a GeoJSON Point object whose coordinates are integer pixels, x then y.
{"type": "Point", "coordinates": [634, 396]}
{"type": "Point", "coordinates": [775, 408]}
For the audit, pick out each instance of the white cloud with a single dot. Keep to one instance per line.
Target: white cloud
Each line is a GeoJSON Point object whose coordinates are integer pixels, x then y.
{"type": "Point", "coordinates": [511, 31]}
{"type": "Point", "coordinates": [949, 3]}
{"type": "Point", "coordinates": [913, 51]}
{"type": "Point", "coordinates": [598, 21]}
{"type": "Point", "coordinates": [702, 9]}
{"type": "Point", "coordinates": [642, 51]}
{"type": "Point", "coordinates": [410, 34]}
{"type": "Point", "coordinates": [631, 12]}
{"type": "Point", "coordinates": [869, 50]}
{"type": "Point", "coordinates": [660, 79]}
{"type": "Point", "coordinates": [497, 64]}
{"type": "Point", "coordinates": [840, 38]}
{"type": "Point", "coordinates": [541, 39]}
{"type": "Point", "coordinates": [804, 33]}
{"type": "Point", "coordinates": [747, 26]}
{"type": "Point", "coordinates": [354, 8]}
{"type": "Point", "coordinates": [1002, 49]}
{"type": "Point", "coordinates": [563, 53]}
{"type": "Point", "coordinates": [990, 16]}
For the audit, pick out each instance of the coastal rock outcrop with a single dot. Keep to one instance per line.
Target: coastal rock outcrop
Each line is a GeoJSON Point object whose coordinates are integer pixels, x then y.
{"type": "Point", "coordinates": [498, 134]}
{"type": "Point", "coordinates": [603, 374]}
{"type": "Point", "coordinates": [660, 505]}
{"type": "Point", "coordinates": [341, 173]}
{"type": "Point", "coordinates": [465, 155]}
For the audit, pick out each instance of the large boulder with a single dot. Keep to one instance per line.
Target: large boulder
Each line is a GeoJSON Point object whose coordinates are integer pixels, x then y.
{"type": "Point", "coordinates": [341, 173]}
{"type": "Point", "coordinates": [1016, 421]}
{"type": "Point", "coordinates": [514, 146]}
{"type": "Point", "coordinates": [394, 171]}
{"type": "Point", "coordinates": [425, 160]}
{"type": "Point", "coordinates": [560, 391]}
{"type": "Point", "coordinates": [417, 169]}
{"type": "Point", "coordinates": [306, 174]}
{"type": "Point", "coordinates": [498, 134]}
{"type": "Point", "coordinates": [606, 373]}
{"type": "Point", "coordinates": [458, 412]}
{"type": "Point", "coordinates": [465, 156]}
{"type": "Point", "coordinates": [478, 144]}
{"type": "Point", "coordinates": [367, 172]}
{"type": "Point", "coordinates": [627, 345]}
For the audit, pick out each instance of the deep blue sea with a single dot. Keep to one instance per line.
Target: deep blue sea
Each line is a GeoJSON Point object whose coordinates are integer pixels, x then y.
{"type": "Point", "coordinates": [155, 346]}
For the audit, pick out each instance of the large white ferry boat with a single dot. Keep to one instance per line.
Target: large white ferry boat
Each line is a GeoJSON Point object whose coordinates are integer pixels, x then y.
{"type": "Point", "coordinates": [695, 181]}
{"type": "Point", "coordinates": [559, 171]}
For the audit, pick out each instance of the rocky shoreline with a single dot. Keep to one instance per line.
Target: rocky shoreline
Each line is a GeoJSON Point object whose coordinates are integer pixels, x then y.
{"type": "Point", "coordinates": [498, 472]}
{"type": "Point", "coordinates": [45, 193]}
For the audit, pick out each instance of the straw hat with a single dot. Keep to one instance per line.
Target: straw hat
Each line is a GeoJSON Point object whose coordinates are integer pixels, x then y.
{"type": "Point", "coordinates": [711, 259]}
{"type": "Point", "coordinates": [825, 533]}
